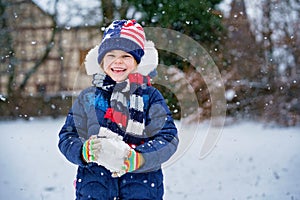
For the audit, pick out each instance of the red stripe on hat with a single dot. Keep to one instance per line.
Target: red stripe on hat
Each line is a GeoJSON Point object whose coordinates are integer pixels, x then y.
{"type": "Point", "coordinates": [133, 35]}
{"type": "Point", "coordinates": [138, 30]}
{"type": "Point", "coordinates": [137, 40]}
{"type": "Point", "coordinates": [130, 22]}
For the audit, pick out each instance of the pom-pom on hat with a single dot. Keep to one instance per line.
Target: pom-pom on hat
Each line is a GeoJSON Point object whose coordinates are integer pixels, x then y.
{"type": "Point", "coordinates": [125, 35]}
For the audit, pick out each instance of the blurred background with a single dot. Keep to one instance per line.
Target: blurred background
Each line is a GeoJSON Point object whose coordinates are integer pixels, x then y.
{"type": "Point", "coordinates": [254, 44]}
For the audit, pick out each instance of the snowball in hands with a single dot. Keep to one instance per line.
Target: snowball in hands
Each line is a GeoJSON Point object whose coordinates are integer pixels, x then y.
{"type": "Point", "coordinates": [110, 151]}
{"type": "Point", "coordinates": [113, 153]}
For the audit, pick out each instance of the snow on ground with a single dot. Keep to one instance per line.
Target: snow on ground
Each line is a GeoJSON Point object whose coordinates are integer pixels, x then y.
{"type": "Point", "coordinates": [250, 161]}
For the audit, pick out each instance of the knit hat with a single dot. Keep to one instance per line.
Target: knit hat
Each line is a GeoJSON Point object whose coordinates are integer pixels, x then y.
{"type": "Point", "coordinates": [125, 35]}
{"type": "Point", "coordinates": [147, 65]}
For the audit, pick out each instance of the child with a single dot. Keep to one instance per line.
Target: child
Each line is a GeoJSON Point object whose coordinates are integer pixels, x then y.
{"type": "Point", "coordinates": [120, 130]}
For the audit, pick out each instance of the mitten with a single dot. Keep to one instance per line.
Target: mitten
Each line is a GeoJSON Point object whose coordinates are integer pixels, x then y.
{"type": "Point", "coordinates": [113, 153]}
{"type": "Point", "coordinates": [91, 148]}
{"type": "Point", "coordinates": [133, 162]}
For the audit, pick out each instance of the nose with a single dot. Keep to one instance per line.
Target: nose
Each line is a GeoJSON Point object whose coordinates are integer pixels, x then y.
{"type": "Point", "coordinates": [119, 59]}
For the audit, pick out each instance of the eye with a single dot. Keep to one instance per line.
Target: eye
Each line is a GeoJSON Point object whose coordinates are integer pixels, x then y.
{"type": "Point", "coordinates": [127, 56]}
{"type": "Point", "coordinates": [110, 55]}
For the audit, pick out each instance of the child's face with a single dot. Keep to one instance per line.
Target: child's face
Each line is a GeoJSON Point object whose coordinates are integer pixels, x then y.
{"type": "Point", "coordinates": [119, 64]}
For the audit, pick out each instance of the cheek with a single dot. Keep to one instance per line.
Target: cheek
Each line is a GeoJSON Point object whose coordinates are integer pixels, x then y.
{"type": "Point", "coordinates": [105, 65]}
{"type": "Point", "coordinates": [134, 68]}
{"type": "Point", "coordinates": [132, 65]}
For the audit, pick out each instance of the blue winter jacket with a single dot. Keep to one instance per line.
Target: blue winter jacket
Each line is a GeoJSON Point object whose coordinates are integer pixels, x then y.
{"type": "Point", "coordinates": [157, 146]}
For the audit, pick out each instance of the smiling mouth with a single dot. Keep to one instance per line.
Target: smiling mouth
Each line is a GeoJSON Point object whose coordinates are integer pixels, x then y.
{"type": "Point", "coordinates": [118, 70]}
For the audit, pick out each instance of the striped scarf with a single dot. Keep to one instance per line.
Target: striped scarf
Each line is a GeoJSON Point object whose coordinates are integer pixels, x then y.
{"type": "Point", "coordinates": [126, 103]}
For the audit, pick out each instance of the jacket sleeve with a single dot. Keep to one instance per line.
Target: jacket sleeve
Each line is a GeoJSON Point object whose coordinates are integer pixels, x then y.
{"type": "Point", "coordinates": [162, 133]}
{"type": "Point", "coordinates": [72, 133]}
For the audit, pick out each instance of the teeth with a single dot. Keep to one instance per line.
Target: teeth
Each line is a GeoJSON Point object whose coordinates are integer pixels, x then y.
{"type": "Point", "coordinates": [118, 70]}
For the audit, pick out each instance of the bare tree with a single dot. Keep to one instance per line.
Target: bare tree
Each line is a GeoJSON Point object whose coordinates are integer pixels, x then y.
{"type": "Point", "coordinates": [12, 90]}
{"type": "Point", "coordinates": [107, 10]}
{"type": "Point", "coordinates": [6, 50]}
{"type": "Point", "coordinates": [281, 41]}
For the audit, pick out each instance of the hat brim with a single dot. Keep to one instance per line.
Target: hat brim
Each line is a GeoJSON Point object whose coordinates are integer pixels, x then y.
{"type": "Point", "coordinates": [123, 44]}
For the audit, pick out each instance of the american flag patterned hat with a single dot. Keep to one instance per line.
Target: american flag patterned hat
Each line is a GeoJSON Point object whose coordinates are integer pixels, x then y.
{"type": "Point", "coordinates": [125, 35]}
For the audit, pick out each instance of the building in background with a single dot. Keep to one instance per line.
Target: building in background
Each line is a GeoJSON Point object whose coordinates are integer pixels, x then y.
{"type": "Point", "coordinates": [50, 56]}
